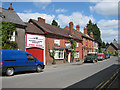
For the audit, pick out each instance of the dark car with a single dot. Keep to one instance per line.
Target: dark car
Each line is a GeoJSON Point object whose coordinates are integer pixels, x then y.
{"type": "Point", "coordinates": [91, 57]}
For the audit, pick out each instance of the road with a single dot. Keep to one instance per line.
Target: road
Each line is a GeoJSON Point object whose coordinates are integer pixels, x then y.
{"type": "Point", "coordinates": [87, 75]}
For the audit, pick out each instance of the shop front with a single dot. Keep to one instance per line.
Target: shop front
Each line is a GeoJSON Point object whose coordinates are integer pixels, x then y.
{"type": "Point", "coordinates": [35, 44]}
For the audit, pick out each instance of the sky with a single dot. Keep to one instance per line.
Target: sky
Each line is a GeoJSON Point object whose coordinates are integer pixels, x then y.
{"type": "Point", "coordinates": [102, 12]}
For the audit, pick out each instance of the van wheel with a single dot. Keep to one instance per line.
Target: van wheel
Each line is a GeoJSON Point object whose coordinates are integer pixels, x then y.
{"type": "Point", "coordinates": [10, 71]}
{"type": "Point", "coordinates": [39, 68]}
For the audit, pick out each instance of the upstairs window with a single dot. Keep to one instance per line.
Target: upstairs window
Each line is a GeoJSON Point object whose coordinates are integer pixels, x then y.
{"type": "Point", "coordinates": [77, 44]}
{"type": "Point", "coordinates": [57, 42]}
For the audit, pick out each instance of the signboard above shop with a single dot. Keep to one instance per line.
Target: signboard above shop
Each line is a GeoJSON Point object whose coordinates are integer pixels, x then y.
{"type": "Point", "coordinates": [35, 41]}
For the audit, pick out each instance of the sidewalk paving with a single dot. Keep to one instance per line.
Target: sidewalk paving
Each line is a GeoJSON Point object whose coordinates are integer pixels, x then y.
{"type": "Point", "coordinates": [64, 64]}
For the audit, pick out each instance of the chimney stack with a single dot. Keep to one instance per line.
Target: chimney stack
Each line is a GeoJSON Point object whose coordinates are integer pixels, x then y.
{"type": "Point", "coordinates": [85, 30]}
{"type": "Point", "coordinates": [41, 19]}
{"type": "Point", "coordinates": [91, 34]}
{"type": "Point", "coordinates": [71, 28]}
{"type": "Point", "coordinates": [67, 28]}
{"type": "Point", "coordinates": [78, 28]}
{"type": "Point", "coordinates": [10, 8]}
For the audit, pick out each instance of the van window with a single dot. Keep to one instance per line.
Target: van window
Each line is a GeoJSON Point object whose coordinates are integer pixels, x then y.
{"type": "Point", "coordinates": [30, 57]}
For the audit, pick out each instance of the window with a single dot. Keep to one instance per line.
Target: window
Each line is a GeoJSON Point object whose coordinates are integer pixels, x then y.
{"type": "Point", "coordinates": [30, 57]}
{"type": "Point", "coordinates": [57, 42]}
{"type": "Point", "coordinates": [12, 37]}
{"type": "Point", "coordinates": [77, 44]}
{"type": "Point", "coordinates": [76, 54]}
{"type": "Point", "coordinates": [59, 54]}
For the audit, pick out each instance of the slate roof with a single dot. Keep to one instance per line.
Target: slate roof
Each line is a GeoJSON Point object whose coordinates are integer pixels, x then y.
{"type": "Point", "coordinates": [83, 35]}
{"type": "Point", "coordinates": [10, 16]}
{"type": "Point", "coordinates": [115, 44]}
{"type": "Point", "coordinates": [53, 29]}
{"type": "Point", "coordinates": [31, 28]}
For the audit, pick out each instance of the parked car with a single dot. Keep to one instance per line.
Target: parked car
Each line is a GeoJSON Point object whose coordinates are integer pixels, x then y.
{"type": "Point", "coordinates": [16, 60]}
{"type": "Point", "coordinates": [91, 57]}
{"type": "Point", "coordinates": [101, 56]}
{"type": "Point", "coordinates": [108, 55]}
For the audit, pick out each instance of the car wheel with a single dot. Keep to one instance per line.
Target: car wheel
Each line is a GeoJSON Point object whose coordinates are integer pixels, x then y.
{"type": "Point", "coordinates": [94, 61]}
{"type": "Point", "coordinates": [10, 71]}
{"type": "Point", "coordinates": [39, 68]}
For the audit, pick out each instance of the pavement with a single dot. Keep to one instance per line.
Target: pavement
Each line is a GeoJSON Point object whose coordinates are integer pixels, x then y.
{"type": "Point", "coordinates": [64, 64]}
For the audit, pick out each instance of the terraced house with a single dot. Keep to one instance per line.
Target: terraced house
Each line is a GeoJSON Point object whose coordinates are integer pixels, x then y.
{"type": "Point", "coordinates": [47, 42]}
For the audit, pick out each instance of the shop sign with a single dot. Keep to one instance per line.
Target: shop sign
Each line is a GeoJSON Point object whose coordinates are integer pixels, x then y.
{"type": "Point", "coordinates": [35, 41]}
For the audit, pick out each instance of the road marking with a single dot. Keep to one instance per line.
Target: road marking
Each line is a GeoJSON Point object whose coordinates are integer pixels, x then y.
{"type": "Point", "coordinates": [117, 71]}
{"type": "Point", "coordinates": [104, 84]}
{"type": "Point", "coordinates": [99, 85]}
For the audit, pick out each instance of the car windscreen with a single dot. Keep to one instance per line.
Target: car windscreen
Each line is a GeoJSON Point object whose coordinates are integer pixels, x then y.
{"type": "Point", "coordinates": [90, 54]}
{"type": "Point", "coordinates": [100, 55]}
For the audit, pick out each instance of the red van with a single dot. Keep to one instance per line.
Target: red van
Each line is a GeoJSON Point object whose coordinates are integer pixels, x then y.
{"type": "Point", "coordinates": [101, 56]}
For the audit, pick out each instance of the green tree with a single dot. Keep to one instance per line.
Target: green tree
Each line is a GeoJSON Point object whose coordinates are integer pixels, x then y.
{"type": "Point", "coordinates": [107, 44]}
{"type": "Point", "coordinates": [96, 32]}
{"type": "Point", "coordinates": [103, 45]}
{"type": "Point", "coordinates": [55, 23]}
{"type": "Point", "coordinates": [6, 30]}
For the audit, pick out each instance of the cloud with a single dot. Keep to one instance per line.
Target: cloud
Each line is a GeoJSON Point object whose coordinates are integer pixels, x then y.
{"type": "Point", "coordinates": [41, 3]}
{"type": "Point", "coordinates": [61, 10]}
{"type": "Point", "coordinates": [109, 29]}
{"type": "Point", "coordinates": [27, 11]}
{"type": "Point", "coordinates": [106, 7]}
{"type": "Point", "coordinates": [76, 17]}
{"type": "Point", "coordinates": [26, 16]}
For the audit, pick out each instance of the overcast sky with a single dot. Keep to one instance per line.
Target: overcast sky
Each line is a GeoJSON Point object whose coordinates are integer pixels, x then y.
{"type": "Point", "coordinates": [104, 13]}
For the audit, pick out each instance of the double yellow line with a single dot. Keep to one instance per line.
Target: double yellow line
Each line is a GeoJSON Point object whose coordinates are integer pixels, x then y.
{"type": "Point", "coordinates": [102, 84]}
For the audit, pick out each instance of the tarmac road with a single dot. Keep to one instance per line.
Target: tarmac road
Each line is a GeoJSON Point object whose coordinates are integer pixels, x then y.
{"type": "Point", "coordinates": [87, 75]}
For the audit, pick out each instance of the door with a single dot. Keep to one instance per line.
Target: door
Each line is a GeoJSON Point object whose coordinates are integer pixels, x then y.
{"type": "Point", "coordinates": [30, 62]}
{"type": "Point", "coordinates": [69, 57]}
{"type": "Point", "coordinates": [38, 53]}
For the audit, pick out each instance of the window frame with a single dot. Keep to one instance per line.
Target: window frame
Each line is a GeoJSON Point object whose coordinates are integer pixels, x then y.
{"type": "Point", "coordinates": [59, 51]}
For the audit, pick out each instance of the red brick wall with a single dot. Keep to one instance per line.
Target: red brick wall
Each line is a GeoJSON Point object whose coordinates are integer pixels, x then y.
{"type": "Point", "coordinates": [50, 44]}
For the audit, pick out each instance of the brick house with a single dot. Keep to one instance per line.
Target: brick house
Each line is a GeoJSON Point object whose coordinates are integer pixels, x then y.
{"type": "Point", "coordinates": [9, 15]}
{"type": "Point", "coordinates": [54, 37]}
{"type": "Point", "coordinates": [87, 44]}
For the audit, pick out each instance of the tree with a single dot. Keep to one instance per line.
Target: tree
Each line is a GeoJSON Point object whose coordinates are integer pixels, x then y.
{"type": "Point", "coordinates": [55, 23]}
{"type": "Point", "coordinates": [107, 44]}
{"type": "Point", "coordinates": [6, 30]}
{"type": "Point", "coordinates": [96, 32]}
{"type": "Point", "coordinates": [103, 45]}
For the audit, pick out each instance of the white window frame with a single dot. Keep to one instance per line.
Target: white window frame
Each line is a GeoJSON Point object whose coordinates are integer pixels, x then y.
{"type": "Point", "coordinates": [77, 44]}
{"type": "Point", "coordinates": [56, 42]}
{"type": "Point", "coordinates": [76, 55]}
{"type": "Point", "coordinates": [57, 52]}
{"type": "Point", "coordinates": [12, 38]}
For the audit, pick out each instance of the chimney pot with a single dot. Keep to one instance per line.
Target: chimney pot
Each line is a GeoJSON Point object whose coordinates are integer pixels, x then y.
{"type": "Point", "coordinates": [41, 19]}
{"type": "Point", "coordinates": [10, 8]}
{"type": "Point", "coordinates": [71, 28]}
{"type": "Point", "coordinates": [85, 30]}
{"type": "Point", "coordinates": [78, 28]}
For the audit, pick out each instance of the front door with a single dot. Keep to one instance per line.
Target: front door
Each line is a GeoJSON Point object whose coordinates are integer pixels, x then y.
{"type": "Point", "coordinates": [69, 57]}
